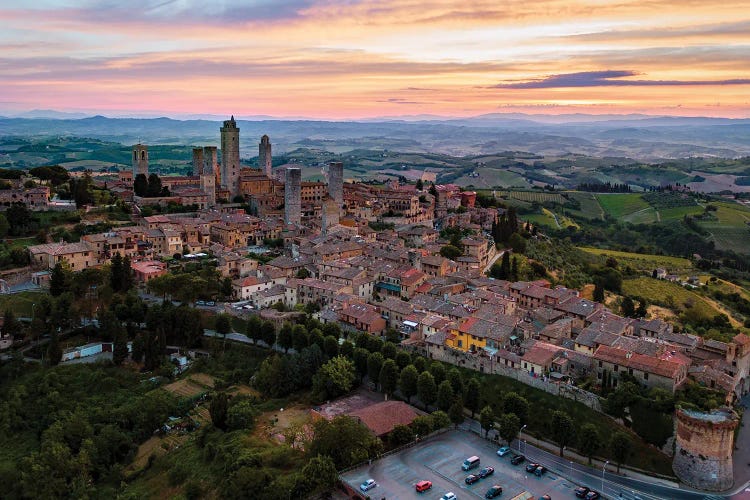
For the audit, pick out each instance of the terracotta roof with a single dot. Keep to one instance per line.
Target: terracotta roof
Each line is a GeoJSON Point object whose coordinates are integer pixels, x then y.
{"type": "Point", "coordinates": [539, 356]}
{"type": "Point", "coordinates": [663, 367]}
{"type": "Point", "coordinates": [381, 418]}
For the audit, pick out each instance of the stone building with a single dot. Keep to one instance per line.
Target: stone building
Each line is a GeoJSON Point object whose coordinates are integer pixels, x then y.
{"type": "Point", "coordinates": [703, 448]}
{"type": "Point", "coordinates": [230, 156]}
{"type": "Point", "coordinates": [211, 163]}
{"type": "Point", "coordinates": [140, 160]}
{"type": "Point", "coordinates": [264, 156]}
{"type": "Point", "coordinates": [336, 181]}
{"type": "Point", "coordinates": [293, 196]}
{"type": "Point", "coordinates": [198, 161]}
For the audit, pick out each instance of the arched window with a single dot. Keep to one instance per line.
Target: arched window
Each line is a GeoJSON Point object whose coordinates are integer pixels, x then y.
{"type": "Point", "coordinates": [135, 155]}
{"type": "Point", "coordinates": [143, 155]}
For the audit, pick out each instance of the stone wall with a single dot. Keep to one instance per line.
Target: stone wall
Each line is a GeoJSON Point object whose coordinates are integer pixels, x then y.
{"type": "Point", "coordinates": [703, 448]}
{"type": "Point", "coordinates": [484, 364]}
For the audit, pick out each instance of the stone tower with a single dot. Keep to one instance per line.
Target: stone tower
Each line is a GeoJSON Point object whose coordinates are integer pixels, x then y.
{"type": "Point", "coordinates": [230, 156]}
{"type": "Point", "coordinates": [140, 160]}
{"type": "Point", "coordinates": [208, 186]}
{"type": "Point", "coordinates": [330, 214]}
{"type": "Point", "coordinates": [704, 445]}
{"type": "Point", "coordinates": [293, 196]}
{"type": "Point", "coordinates": [211, 163]}
{"type": "Point", "coordinates": [197, 161]}
{"type": "Point", "coordinates": [336, 181]}
{"type": "Point", "coordinates": [264, 155]}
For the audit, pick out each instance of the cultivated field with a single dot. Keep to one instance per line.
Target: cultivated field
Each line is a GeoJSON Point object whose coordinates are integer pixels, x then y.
{"type": "Point", "coordinates": [644, 262]}
{"type": "Point", "coordinates": [621, 205]}
{"type": "Point", "coordinates": [671, 295]}
{"type": "Point", "coordinates": [730, 229]}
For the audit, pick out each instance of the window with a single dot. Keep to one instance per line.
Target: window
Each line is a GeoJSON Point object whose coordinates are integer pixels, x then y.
{"type": "Point", "coordinates": [645, 376]}
{"type": "Point", "coordinates": [630, 371]}
{"type": "Point", "coordinates": [600, 364]}
{"type": "Point", "coordinates": [615, 368]}
{"type": "Point", "coordinates": [599, 375]}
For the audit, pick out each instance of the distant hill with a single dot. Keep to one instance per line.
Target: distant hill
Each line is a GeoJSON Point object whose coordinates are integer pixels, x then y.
{"type": "Point", "coordinates": [635, 136]}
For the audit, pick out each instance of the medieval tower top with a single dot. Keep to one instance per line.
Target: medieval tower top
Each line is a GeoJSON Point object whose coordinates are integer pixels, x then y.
{"type": "Point", "coordinates": [264, 155]}
{"type": "Point", "coordinates": [230, 156]}
{"type": "Point", "coordinates": [140, 160]}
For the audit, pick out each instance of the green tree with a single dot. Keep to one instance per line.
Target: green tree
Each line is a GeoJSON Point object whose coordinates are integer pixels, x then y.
{"type": "Point", "coordinates": [59, 281]}
{"type": "Point", "coordinates": [518, 405]}
{"type": "Point", "coordinates": [445, 395]}
{"type": "Point", "coordinates": [334, 378]}
{"type": "Point", "coordinates": [4, 226]}
{"type": "Point", "coordinates": [268, 333]}
{"type": "Point", "coordinates": [420, 185]}
{"type": "Point", "coordinates": [422, 425]}
{"type": "Point", "coordinates": [116, 273]}
{"type": "Point", "coordinates": [218, 409]}
{"type": "Point", "coordinates": [456, 412]}
{"type": "Point", "coordinates": [300, 338]}
{"type": "Point", "coordinates": [426, 389]}
{"type": "Point", "coordinates": [501, 271]}
{"type": "Point", "coordinates": [408, 382]}
{"type": "Point", "coordinates": [54, 351]}
{"type": "Point", "coordinates": [120, 347]}
{"type": "Point", "coordinates": [440, 419]}
{"type": "Point", "coordinates": [471, 399]}
{"type": "Point", "coordinates": [374, 365]}
{"type": "Point", "coordinates": [389, 350]}
{"type": "Point", "coordinates": [627, 308]}
{"type": "Point", "coordinates": [642, 311]}
{"type": "Point", "coordinates": [621, 446]}
{"type": "Point", "coordinates": [241, 414]}
{"type": "Point", "coordinates": [451, 252]}
{"type": "Point", "coordinates": [562, 429]}
{"type": "Point", "coordinates": [388, 376]}
{"type": "Point", "coordinates": [438, 371]}
{"type": "Point", "coordinates": [517, 243]}
{"type": "Point", "coordinates": [400, 435]}
{"type": "Point", "coordinates": [403, 359]}
{"type": "Point", "coordinates": [508, 425]}
{"type": "Point", "coordinates": [320, 473]}
{"type": "Point", "coordinates": [360, 361]}
{"type": "Point", "coordinates": [331, 345]}
{"type": "Point", "coordinates": [598, 292]}
{"type": "Point", "coordinates": [253, 328]}
{"type": "Point", "coordinates": [285, 337]}
{"type": "Point", "coordinates": [140, 186]}
{"type": "Point", "coordinates": [345, 440]}
{"type": "Point", "coordinates": [589, 441]}
{"type": "Point", "coordinates": [457, 382]}
{"type": "Point", "coordinates": [11, 326]}
{"type": "Point", "coordinates": [487, 419]}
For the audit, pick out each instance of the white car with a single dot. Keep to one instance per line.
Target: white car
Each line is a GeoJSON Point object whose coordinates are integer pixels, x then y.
{"type": "Point", "coordinates": [503, 451]}
{"type": "Point", "coordinates": [449, 496]}
{"type": "Point", "coordinates": [368, 485]}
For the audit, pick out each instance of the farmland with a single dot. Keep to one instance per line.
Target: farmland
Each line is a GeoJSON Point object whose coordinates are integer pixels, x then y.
{"type": "Point", "coordinates": [620, 206]}
{"type": "Point", "coordinates": [670, 295]}
{"type": "Point", "coordinates": [644, 262]}
{"type": "Point", "coordinates": [728, 226]}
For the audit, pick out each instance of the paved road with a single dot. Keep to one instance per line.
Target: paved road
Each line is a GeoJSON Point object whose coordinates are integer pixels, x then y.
{"type": "Point", "coordinates": [609, 483]}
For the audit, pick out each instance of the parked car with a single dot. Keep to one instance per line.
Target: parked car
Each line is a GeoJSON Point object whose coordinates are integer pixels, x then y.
{"type": "Point", "coordinates": [423, 486]}
{"type": "Point", "coordinates": [368, 485]}
{"type": "Point", "coordinates": [493, 492]}
{"type": "Point", "coordinates": [503, 451]}
{"type": "Point", "coordinates": [531, 467]}
{"type": "Point", "coordinates": [582, 491]}
{"type": "Point", "coordinates": [540, 470]}
{"type": "Point", "coordinates": [545, 497]}
{"type": "Point", "coordinates": [517, 459]}
{"type": "Point", "coordinates": [592, 495]}
{"type": "Point", "coordinates": [472, 478]}
{"type": "Point", "coordinates": [210, 303]}
{"type": "Point", "coordinates": [200, 302]}
{"type": "Point", "coordinates": [449, 496]}
{"type": "Point", "coordinates": [487, 471]}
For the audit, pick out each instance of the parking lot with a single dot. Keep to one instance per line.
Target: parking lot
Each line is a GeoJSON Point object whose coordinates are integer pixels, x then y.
{"type": "Point", "coordinates": [439, 460]}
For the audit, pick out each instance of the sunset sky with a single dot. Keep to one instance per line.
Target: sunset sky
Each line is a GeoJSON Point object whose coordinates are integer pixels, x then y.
{"type": "Point", "coordinates": [357, 59]}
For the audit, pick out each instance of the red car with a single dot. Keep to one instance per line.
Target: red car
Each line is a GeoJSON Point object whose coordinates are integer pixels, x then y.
{"type": "Point", "coordinates": [423, 486]}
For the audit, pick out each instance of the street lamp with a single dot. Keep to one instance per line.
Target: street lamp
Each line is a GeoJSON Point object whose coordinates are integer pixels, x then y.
{"type": "Point", "coordinates": [604, 467]}
{"type": "Point", "coordinates": [519, 438]}
{"type": "Point", "coordinates": [571, 468]}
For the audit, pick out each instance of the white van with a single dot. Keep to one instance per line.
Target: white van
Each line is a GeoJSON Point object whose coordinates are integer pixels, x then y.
{"type": "Point", "coordinates": [470, 463]}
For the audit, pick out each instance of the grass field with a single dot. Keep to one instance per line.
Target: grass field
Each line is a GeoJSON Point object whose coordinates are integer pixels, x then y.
{"type": "Point", "coordinates": [678, 213]}
{"type": "Point", "coordinates": [730, 230]}
{"type": "Point", "coordinates": [20, 303]}
{"type": "Point", "coordinates": [590, 207]}
{"type": "Point", "coordinates": [493, 177]}
{"type": "Point", "coordinates": [644, 262]}
{"type": "Point", "coordinates": [622, 205]}
{"type": "Point", "coordinates": [543, 219]}
{"type": "Point", "coordinates": [670, 295]}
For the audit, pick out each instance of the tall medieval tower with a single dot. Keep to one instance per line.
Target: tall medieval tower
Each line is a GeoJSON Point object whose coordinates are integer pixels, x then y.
{"type": "Point", "coordinates": [140, 160]}
{"type": "Point", "coordinates": [197, 161]}
{"type": "Point", "coordinates": [264, 155]}
{"type": "Point", "coordinates": [230, 156]}
{"type": "Point", "coordinates": [292, 196]}
{"type": "Point", "coordinates": [336, 181]}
